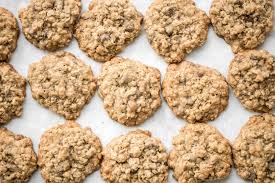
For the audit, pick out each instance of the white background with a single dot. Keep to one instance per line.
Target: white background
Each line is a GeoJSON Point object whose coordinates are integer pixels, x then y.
{"type": "Point", "coordinates": [36, 119]}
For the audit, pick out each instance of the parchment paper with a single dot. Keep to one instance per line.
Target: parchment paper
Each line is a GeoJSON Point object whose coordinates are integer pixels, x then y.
{"type": "Point", "coordinates": [36, 119]}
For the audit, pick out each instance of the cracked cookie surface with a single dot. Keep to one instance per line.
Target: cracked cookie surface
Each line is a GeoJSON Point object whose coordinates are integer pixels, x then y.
{"type": "Point", "coordinates": [254, 149]}
{"type": "Point", "coordinates": [130, 90]}
{"type": "Point", "coordinates": [244, 24]}
{"type": "Point", "coordinates": [135, 157]}
{"type": "Point", "coordinates": [9, 32]}
{"type": "Point", "coordinates": [12, 93]}
{"type": "Point", "coordinates": [17, 157]}
{"type": "Point", "coordinates": [107, 28]}
{"type": "Point", "coordinates": [194, 92]}
{"type": "Point", "coordinates": [175, 28]}
{"type": "Point", "coordinates": [200, 154]}
{"type": "Point", "coordinates": [49, 24]}
{"type": "Point", "coordinates": [252, 76]}
{"type": "Point", "coordinates": [68, 153]}
{"type": "Point", "coordinates": [62, 83]}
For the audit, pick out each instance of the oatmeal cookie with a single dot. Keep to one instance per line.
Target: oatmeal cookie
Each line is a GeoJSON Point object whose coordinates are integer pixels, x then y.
{"type": "Point", "coordinates": [254, 150]}
{"type": "Point", "coordinates": [252, 76]}
{"type": "Point", "coordinates": [107, 28]}
{"type": "Point", "coordinates": [130, 90]}
{"type": "Point", "coordinates": [49, 24]}
{"type": "Point", "coordinates": [68, 153]}
{"type": "Point", "coordinates": [9, 32]}
{"type": "Point", "coordinates": [244, 24]}
{"type": "Point", "coordinates": [17, 157]}
{"type": "Point", "coordinates": [175, 28]}
{"type": "Point", "coordinates": [135, 157]}
{"type": "Point", "coordinates": [200, 154]}
{"type": "Point", "coordinates": [194, 92]}
{"type": "Point", "coordinates": [12, 93]}
{"type": "Point", "coordinates": [62, 83]}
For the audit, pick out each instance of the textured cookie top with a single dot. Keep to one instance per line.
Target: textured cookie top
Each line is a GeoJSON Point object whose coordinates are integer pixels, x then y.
{"type": "Point", "coordinates": [12, 93]}
{"type": "Point", "coordinates": [254, 149]}
{"type": "Point", "coordinates": [130, 90]}
{"type": "Point", "coordinates": [194, 92]}
{"type": "Point", "coordinates": [68, 153]}
{"type": "Point", "coordinates": [175, 27]}
{"type": "Point", "coordinates": [62, 83]}
{"type": "Point", "coordinates": [48, 24]}
{"type": "Point", "coordinates": [200, 154]}
{"type": "Point", "coordinates": [243, 24]}
{"type": "Point", "coordinates": [9, 32]}
{"type": "Point", "coordinates": [107, 28]}
{"type": "Point", "coordinates": [252, 77]}
{"type": "Point", "coordinates": [135, 157]}
{"type": "Point", "coordinates": [17, 158]}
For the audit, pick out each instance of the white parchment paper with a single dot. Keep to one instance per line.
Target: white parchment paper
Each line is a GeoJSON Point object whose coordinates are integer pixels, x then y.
{"type": "Point", "coordinates": [36, 119]}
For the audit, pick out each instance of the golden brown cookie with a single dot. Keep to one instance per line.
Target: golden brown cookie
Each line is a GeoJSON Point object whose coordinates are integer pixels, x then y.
{"type": "Point", "coordinates": [12, 93]}
{"type": "Point", "coordinates": [68, 153]}
{"type": "Point", "coordinates": [62, 83]}
{"type": "Point", "coordinates": [130, 90]}
{"type": "Point", "coordinates": [194, 92]}
{"type": "Point", "coordinates": [17, 157]}
{"type": "Point", "coordinates": [200, 154]}
{"type": "Point", "coordinates": [107, 28]}
{"type": "Point", "coordinates": [244, 24]}
{"type": "Point", "coordinates": [49, 24]}
{"type": "Point", "coordinates": [252, 76]}
{"type": "Point", "coordinates": [9, 32]}
{"type": "Point", "coordinates": [254, 150]}
{"type": "Point", "coordinates": [175, 28]}
{"type": "Point", "coordinates": [135, 157]}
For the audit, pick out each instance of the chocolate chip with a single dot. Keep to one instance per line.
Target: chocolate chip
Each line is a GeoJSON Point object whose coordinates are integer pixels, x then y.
{"type": "Point", "coordinates": [239, 3]}
{"type": "Point", "coordinates": [200, 74]}
{"type": "Point", "coordinates": [249, 18]}
{"type": "Point", "coordinates": [170, 12]}
{"type": "Point", "coordinates": [251, 177]}
{"type": "Point", "coordinates": [271, 166]}
{"type": "Point", "coordinates": [253, 57]}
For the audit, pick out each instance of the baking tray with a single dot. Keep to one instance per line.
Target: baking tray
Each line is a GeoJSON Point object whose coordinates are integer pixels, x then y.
{"type": "Point", "coordinates": [164, 125]}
